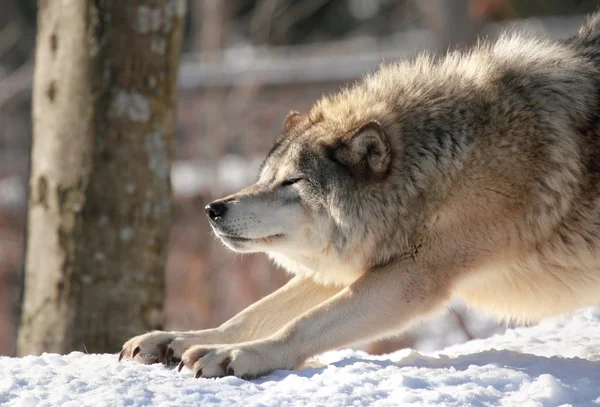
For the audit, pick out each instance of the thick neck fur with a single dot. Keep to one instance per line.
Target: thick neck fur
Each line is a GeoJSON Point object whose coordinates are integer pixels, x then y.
{"type": "Point", "coordinates": [441, 116]}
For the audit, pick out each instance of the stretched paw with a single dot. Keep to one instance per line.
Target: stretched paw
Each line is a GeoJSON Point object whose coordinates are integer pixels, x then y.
{"type": "Point", "coordinates": [246, 361]}
{"type": "Point", "coordinates": [165, 347]}
{"type": "Point", "coordinates": [156, 347]}
{"type": "Point", "coordinates": [148, 348]}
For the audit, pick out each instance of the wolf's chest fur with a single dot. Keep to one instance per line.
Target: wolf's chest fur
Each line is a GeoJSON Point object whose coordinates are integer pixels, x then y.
{"type": "Point", "coordinates": [327, 270]}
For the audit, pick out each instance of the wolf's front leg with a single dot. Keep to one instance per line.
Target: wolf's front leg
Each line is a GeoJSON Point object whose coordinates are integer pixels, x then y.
{"type": "Point", "coordinates": [379, 303]}
{"type": "Point", "coordinates": [259, 320]}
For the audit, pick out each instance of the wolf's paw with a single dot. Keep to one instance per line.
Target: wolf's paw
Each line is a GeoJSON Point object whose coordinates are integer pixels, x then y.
{"type": "Point", "coordinates": [166, 347]}
{"type": "Point", "coordinates": [153, 347]}
{"type": "Point", "coordinates": [246, 361]}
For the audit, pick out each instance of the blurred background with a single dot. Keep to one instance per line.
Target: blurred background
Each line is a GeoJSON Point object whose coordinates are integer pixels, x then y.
{"type": "Point", "coordinates": [245, 64]}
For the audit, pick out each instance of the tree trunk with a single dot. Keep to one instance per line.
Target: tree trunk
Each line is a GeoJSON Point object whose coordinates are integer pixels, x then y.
{"type": "Point", "coordinates": [99, 207]}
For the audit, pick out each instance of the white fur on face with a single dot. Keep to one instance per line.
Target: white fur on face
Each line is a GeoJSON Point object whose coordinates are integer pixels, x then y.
{"type": "Point", "coordinates": [255, 222]}
{"type": "Point", "coordinates": [270, 215]}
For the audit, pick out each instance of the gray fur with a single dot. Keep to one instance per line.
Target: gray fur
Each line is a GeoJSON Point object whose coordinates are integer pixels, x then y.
{"type": "Point", "coordinates": [476, 175]}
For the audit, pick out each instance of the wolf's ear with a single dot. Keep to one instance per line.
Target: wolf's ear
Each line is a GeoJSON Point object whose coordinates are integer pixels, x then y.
{"type": "Point", "coordinates": [367, 153]}
{"type": "Point", "coordinates": [291, 120]}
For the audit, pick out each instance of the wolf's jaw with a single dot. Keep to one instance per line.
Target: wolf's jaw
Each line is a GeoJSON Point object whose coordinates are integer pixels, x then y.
{"type": "Point", "coordinates": [244, 244]}
{"type": "Point", "coordinates": [248, 239]}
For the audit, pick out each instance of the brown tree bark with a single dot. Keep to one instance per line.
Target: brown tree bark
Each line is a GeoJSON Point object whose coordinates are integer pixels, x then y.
{"type": "Point", "coordinates": [99, 208]}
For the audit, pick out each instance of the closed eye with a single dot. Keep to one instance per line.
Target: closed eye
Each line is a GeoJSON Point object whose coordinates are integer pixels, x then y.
{"type": "Point", "coordinates": [330, 154]}
{"type": "Point", "coordinates": [290, 181]}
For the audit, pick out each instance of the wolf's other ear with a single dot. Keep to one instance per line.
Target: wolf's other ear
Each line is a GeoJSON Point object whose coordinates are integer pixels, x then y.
{"type": "Point", "coordinates": [367, 153]}
{"type": "Point", "coordinates": [291, 120]}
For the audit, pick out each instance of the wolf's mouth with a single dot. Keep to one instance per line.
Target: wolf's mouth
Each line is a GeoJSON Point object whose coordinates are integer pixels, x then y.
{"type": "Point", "coordinates": [241, 239]}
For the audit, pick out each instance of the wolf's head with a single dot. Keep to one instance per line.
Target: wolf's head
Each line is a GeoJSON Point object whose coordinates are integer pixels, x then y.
{"type": "Point", "coordinates": [347, 184]}
{"type": "Point", "coordinates": [321, 193]}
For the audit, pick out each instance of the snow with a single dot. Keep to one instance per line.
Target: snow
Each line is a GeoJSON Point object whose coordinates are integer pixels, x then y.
{"type": "Point", "coordinates": [231, 173]}
{"type": "Point", "coordinates": [554, 363]}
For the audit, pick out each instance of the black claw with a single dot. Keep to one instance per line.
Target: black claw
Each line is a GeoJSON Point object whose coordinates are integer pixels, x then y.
{"type": "Point", "coordinates": [135, 352]}
{"type": "Point", "coordinates": [180, 366]}
{"type": "Point", "coordinates": [169, 357]}
{"type": "Point", "coordinates": [230, 372]}
{"type": "Point", "coordinates": [121, 354]}
{"type": "Point", "coordinates": [198, 373]}
{"type": "Point", "coordinates": [246, 377]}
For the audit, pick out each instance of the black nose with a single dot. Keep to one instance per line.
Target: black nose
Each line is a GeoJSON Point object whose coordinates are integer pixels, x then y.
{"type": "Point", "coordinates": [216, 209]}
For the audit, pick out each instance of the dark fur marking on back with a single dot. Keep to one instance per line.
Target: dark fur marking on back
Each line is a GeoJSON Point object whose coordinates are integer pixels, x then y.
{"type": "Point", "coordinates": [591, 149]}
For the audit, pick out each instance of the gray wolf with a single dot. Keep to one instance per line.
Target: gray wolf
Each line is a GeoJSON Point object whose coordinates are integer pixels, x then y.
{"type": "Point", "coordinates": [475, 175]}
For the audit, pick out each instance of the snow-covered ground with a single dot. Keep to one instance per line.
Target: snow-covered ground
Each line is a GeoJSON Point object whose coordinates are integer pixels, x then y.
{"type": "Point", "coordinates": [554, 363]}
